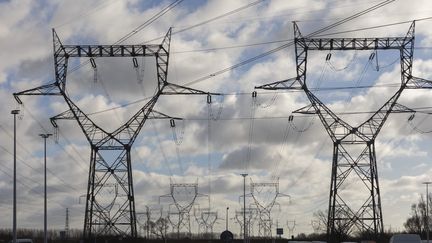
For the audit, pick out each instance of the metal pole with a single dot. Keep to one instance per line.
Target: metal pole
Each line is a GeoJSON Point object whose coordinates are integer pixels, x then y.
{"type": "Point", "coordinates": [14, 224]}
{"type": "Point", "coordinates": [227, 218]}
{"type": "Point", "coordinates": [244, 207]}
{"type": "Point", "coordinates": [45, 136]}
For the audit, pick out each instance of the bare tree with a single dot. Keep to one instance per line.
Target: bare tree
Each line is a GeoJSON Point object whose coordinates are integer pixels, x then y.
{"type": "Point", "coordinates": [160, 227]}
{"type": "Point", "coordinates": [416, 223]}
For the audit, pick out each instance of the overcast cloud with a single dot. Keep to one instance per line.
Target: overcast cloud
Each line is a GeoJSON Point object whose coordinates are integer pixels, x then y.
{"type": "Point", "coordinates": [218, 141]}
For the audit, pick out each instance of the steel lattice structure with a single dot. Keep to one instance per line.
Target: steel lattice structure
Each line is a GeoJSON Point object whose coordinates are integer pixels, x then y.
{"type": "Point", "coordinates": [110, 160]}
{"type": "Point", "coordinates": [251, 213]}
{"type": "Point", "coordinates": [343, 219]}
{"type": "Point", "coordinates": [183, 196]}
{"type": "Point", "coordinates": [206, 218]}
{"type": "Point", "coordinates": [265, 204]}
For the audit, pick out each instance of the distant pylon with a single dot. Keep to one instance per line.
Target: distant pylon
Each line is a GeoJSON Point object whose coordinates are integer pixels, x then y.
{"type": "Point", "coordinates": [67, 224]}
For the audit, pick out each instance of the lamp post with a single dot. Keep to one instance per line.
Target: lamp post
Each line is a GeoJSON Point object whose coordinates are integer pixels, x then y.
{"type": "Point", "coordinates": [227, 218]}
{"type": "Point", "coordinates": [244, 207]}
{"type": "Point", "coordinates": [14, 224]}
{"type": "Point", "coordinates": [45, 136]}
{"type": "Point", "coordinates": [427, 209]}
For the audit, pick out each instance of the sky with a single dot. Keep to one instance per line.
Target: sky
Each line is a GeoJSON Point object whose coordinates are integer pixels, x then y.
{"type": "Point", "coordinates": [234, 134]}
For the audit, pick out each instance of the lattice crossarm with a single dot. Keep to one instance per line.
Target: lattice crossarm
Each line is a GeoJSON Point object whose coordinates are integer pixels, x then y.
{"type": "Point", "coordinates": [306, 110]}
{"type": "Point", "coordinates": [373, 125]}
{"type": "Point", "coordinates": [65, 115]}
{"type": "Point", "coordinates": [175, 89]}
{"type": "Point", "coordinates": [323, 44]}
{"type": "Point", "coordinates": [128, 132]}
{"type": "Point", "coordinates": [109, 51]}
{"type": "Point", "coordinates": [291, 83]}
{"type": "Point", "coordinates": [47, 89]}
{"type": "Point", "coordinates": [329, 119]}
{"type": "Point", "coordinates": [92, 131]}
{"type": "Point", "coordinates": [419, 83]}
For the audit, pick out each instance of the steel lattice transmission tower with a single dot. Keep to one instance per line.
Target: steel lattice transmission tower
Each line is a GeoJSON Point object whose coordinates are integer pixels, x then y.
{"type": "Point", "coordinates": [206, 218]}
{"type": "Point", "coordinates": [110, 160]}
{"type": "Point", "coordinates": [264, 196]}
{"type": "Point", "coordinates": [183, 196]}
{"type": "Point", "coordinates": [343, 217]}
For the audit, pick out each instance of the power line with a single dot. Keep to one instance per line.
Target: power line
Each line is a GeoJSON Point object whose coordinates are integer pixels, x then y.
{"type": "Point", "coordinates": [210, 20]}
{"type": "Point", "coordinates": [265, 92]}
{"type": "Point", "coordinates": [319, 31]}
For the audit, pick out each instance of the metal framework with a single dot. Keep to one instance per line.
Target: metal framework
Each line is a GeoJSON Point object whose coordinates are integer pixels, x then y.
{"type": "Point", "coordinates": [264, 197]}
{"type": "Point", "coordinates": [343, 218]}
{"type": "Point", "coordinates": [206, 219]}
{"type": "Point", "coordinates": [183, 196]}
{"type": "Point", "coordinates": [110, 160]}
{"type": "Point", "coordinates": [250, 213]}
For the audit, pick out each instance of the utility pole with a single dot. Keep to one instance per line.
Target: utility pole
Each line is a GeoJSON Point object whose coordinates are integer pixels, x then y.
{"type": "Point", "coordinates": [244, 207]}
{"type": "Point", "coordinates": [227, 218]}
{"type": "Point", "coordinates": [14, 224]}
{"type": "Point", "coordinates": [427, 183]}
{"type": "Point", "coordinates": [45, 136]}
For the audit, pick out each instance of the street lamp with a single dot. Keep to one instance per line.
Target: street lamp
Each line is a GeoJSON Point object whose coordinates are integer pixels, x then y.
{"type": "Point", "coordinates": [244, 207]}
{"type": "Point", "coordinates": [227, 218]}
{"type": "Point", "coordinates": [14, 224]}
{"type": "Point", "coordinates": [427, 209]}
{"type": "Point", "coordinates": [45, 136]}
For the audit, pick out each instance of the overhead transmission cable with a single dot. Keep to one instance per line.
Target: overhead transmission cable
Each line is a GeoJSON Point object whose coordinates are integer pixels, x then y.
{"type": "Point", "coordinates": [30, 154]}
{"type": "Point", "coordinates": [315, 33]}
{"type": "Point", "coordinates": [209, 20]}
{"type": "Point", "coordinates": [135, 31]}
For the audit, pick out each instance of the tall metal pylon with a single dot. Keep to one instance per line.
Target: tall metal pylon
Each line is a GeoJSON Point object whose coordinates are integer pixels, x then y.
{"type": "Point", "coordinates": [264, 196]}
{"type": "Point", "coordinates": [183, 196]}
{"type": "Point", "coordinates": [206, 218]}
{"type": "Point", "coordinates": [110, 160]}
{"type": "Point", "coordinates": [343, 217]}
{"type": "Point", "coordinates": [250, 213]}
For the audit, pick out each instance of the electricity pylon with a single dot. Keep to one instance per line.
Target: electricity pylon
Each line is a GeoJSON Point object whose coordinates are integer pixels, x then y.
{"type": "Point", "coordinates": [110, 160]}
{"type": "Point", "coordinates": [206, 218]}
{"type": "Point", "coordinates": [343, 217]}
{"type": "Point", "coordinates": [250, 213]}
{"type": "Point", "coordinates": [264, 195]}
{"type": "Point", "coordinates": [183, 196]}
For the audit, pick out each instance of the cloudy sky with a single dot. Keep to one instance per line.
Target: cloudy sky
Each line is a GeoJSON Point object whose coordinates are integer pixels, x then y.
{"type": "Point", "coordinates": [215, 143]}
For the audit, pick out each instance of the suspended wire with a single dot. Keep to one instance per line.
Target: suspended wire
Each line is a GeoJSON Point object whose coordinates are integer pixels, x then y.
{"type": "Point", "coordinates": [149, 21]}
{"type": "Point", "coordinates": [416, 127]}
{"type": "Point", "coordinates": [32, 189]}
{"type": "Point", "coordinates": [286, 135]}
{"type": "Point", "coordinates": [209, 20]}
{"type": "Point", "coordinates": [374, 27]}
{"type": "Point", "coordinates": [248, 93]}
{"type": "Point", "coordinates": [251, 129]}
{"type": "Point", "coordinates": [270, 102]}
{"type": "Point", "coordinates": [133, 32]}
{"type": "Point", "coordinates": [164, 156]}
{"type": "Point", "coordinates": [315, 33]}
{"type": "Point", "coordinates": [82, 160]}
{"type": "Point", "coordinates": [349, 64]}
{"type": "Point", "coordinates": [209, 147]}
{"type": "Point", "coordinates": [177, 142]}
{"type": "Point", "coordinates": [85, 14]}
{"type": "Point", "coordinates": [30, 154]}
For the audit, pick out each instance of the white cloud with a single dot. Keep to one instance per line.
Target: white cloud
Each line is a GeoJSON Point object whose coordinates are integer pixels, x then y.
{"type": "Point", "coordinates": [301, 159]}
